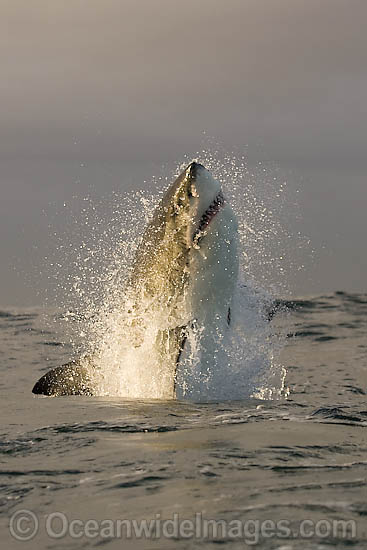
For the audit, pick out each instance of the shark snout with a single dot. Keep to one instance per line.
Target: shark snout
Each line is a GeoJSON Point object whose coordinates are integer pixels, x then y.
{"type": "Point", "coordinates": [193, 169]}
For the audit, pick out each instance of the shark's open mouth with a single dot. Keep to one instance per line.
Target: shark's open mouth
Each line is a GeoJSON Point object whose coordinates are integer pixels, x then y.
{"type": "Point", "coordinates": [207, 217]}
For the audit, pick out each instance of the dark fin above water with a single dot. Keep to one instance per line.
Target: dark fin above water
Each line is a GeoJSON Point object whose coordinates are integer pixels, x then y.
{"type": "Point", "coordinates": [70, 379]}
{"type": "Point", "coordinates": [229, 316]}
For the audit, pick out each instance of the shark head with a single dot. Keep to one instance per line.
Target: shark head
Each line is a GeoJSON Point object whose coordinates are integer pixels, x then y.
{"type": "Point", "coordinates": [200, 229]}
{"type": "Point", "coordinates": [190, 241]}
{"type": "Point", "coordinates": [192, 202]}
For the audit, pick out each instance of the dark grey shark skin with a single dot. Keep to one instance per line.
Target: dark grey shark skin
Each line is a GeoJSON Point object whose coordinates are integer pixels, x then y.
{"type": "Point", "coordinates": [159, 272]}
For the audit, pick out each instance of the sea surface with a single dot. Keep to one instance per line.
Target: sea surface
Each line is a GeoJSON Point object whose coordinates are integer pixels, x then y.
{"type": "Point", "coordinates": [72, 467]}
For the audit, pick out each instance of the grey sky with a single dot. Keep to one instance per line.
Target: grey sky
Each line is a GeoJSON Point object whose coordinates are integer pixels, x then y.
{"type": "Point", "coordinates": [123, 87]}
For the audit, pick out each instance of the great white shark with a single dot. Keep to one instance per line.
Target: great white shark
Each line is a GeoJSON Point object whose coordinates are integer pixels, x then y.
{"type": "Point", "coordinates": [184, 272]}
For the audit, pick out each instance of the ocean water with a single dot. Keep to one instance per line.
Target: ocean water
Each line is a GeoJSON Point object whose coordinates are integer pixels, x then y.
{"type": "Point", "coordinates": [300, 459]}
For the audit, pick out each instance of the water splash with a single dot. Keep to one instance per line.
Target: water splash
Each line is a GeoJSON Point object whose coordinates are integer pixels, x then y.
{"type": "Point", "coordinates": [91, 281]}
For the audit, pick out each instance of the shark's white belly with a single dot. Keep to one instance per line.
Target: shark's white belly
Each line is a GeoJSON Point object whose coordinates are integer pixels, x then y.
{"type": "Point", "coordinates": [213, 272]}
{"type": "Point", "coordinates": [214, 269]}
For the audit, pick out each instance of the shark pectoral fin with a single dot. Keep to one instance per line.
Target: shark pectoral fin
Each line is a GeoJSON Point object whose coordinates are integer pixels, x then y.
{"type": "Point", "coordinates": [71, 379]}
{"type": "Point", "coordinates": [178, 336]}
{"type": "Point", "coordinates": [171, 343]}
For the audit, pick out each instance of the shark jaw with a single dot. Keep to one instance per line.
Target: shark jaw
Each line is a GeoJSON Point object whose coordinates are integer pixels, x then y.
{"type": "Point", "coordinates": [207, 217]}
